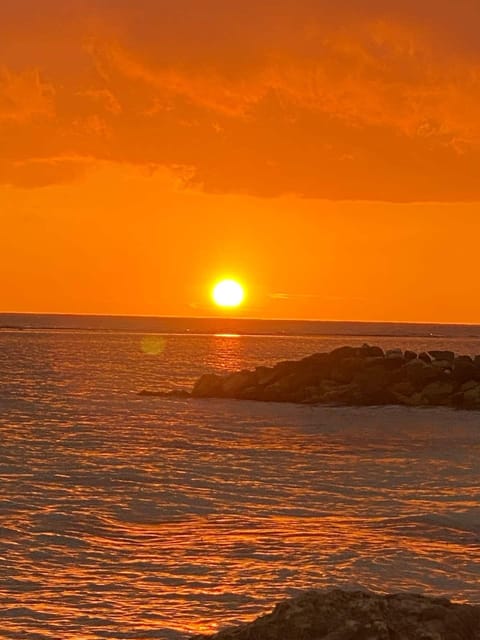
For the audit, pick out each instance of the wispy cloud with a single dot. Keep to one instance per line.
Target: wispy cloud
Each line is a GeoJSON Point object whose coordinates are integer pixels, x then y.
{"type": "Point", "coordinates": [312, 296]}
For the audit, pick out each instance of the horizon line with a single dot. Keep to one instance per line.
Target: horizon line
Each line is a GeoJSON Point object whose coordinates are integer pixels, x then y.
{"type": "Point", "coordinates": [234, 318]}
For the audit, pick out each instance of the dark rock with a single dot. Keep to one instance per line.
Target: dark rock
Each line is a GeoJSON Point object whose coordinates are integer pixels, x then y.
{"type": "Point", "coordinates": [404, 388]}
{"type": "Point", "coordinates": [394, 353]}
{"type": "Point", "coordinates": [368, 351]}
{"type": "Point", "coordinates": [374, 361]}
{"type": "Point", "coordinates": [394, 361]}
{"type": "Point", "coordinates": [354, 376]}
{"type": "Point", "coordinates": [376, 397]}
{"type": "Point", "coordinates": [359, 615]}
{"type": "Point", "coordinates": [438, 393]}
{"type": "Point", "coordinates": [373, 379]}
{"type": "Point", "coordinates": [442, 365]}
{"type": "Point", "coordinates": [265, 375]}
{"type": "Point", "coordinates": [304, 376]}
{"type": "Point", "coordinates": [268, 375]}
{"type": "Point", "coordinates": [279, 391]}
{"type": "Point", "coordinates": [344, 394]}
{"type": "Point", "coordinates": [344, 352]}
{"type": "Point", "coordinates": [419, 373]}
{"type": "Point", "coordinates": [442, 355]}
{"type": "Point", "coordinates": [464, 369]}
{"type": "Point", "coordinates": [236, 382]}
{"type": "Point", "coordinates": [457, 400]}
{"type": "Point", "coordinates": [345, 370]}
{"type": "Point", "coordinates": [317, 360]}
{"type": "Point", "coordinates": [470, 384]}
{"type": "Point", "coordinates": [208, 386]}
{"type": "Point", "coordinates": [471, 398]}
{"type": "Point", "coordinates": [465, 359]}
{"type": "Point", "coordinates": [250, 393]}
{"type": "Point", "coordinates": [313, 395]}
{"type": "Point", "coordinates": [415, 400]}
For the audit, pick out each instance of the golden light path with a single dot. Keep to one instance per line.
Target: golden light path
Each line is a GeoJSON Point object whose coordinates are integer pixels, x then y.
{"type": "Point", "coordinates": [228, 293]}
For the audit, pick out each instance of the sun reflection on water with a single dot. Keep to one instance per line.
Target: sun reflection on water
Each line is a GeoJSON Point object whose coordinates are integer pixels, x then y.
{"type": "Point", "coordinates": [227, 352]}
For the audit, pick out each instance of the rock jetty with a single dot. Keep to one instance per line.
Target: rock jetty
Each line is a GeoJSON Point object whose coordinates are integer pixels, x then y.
{"type": "Point", "coordinates": [348, 375]}
{"type": "Point", "coordinates": [358, 615]}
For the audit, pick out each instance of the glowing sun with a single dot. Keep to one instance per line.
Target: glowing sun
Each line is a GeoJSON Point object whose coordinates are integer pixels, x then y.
{"type": "Point", "coordinates": [228, 293]}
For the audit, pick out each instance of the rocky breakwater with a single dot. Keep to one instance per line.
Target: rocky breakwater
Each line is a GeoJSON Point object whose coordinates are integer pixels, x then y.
{"type": "Point", "coordinates": [357, 615]}
{"type": "Point", "coordinates": [364, 375]}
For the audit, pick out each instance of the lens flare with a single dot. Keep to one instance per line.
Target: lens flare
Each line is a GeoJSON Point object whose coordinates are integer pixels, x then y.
{"type": "Point", "coordinates": [152, 345]}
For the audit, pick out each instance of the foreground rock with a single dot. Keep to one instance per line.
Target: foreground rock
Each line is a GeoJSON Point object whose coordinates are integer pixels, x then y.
{"type": "Point", "coordinates": [357, 376]}
{"type": "Point", "coordinates": [356, 615]}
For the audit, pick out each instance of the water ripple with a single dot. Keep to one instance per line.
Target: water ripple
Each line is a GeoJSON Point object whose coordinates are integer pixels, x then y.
{"type": "Point", "coordinates": [137, 518]}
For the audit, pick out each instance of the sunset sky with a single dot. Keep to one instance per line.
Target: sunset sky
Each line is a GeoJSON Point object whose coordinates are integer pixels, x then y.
{"type": "Point", "coordinates": [326, 154]}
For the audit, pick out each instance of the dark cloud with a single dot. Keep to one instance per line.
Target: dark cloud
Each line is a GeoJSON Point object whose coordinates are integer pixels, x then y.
{"type": "Point", "coordinates": [346, 100]}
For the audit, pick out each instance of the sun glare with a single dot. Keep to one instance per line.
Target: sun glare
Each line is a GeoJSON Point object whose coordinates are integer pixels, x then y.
{"type": "Point", "coordinates": [228, 293]}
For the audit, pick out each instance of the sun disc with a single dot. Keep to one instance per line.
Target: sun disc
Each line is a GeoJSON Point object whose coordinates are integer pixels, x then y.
{"type": "Point", "coordinates": [228, 293]}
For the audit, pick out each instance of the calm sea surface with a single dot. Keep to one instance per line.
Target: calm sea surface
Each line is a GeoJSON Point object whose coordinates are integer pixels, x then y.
{"type": "Point", "coordinates": [133, 517]}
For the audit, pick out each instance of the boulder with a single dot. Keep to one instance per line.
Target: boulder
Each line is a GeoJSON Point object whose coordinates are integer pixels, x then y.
{"type": "Point", "coordinates": [394, 361]}
{"type": "Point", "coordinates": [437, 393]}
{"type": "Point", "coordinates": [394, 353]}
{"type": "Point", "coordinates": [415, 400]}
{"type": "Point", "coordinates": [368, 351]}
{"type": "Point", "coordinates": [250, 393]}
{"type": "Point", "coordinates": [313, 395]}
{"type": "Point", "coordinates": [345, 370]}
{"type": "Point", "coordinates": [471, 398]}
{"type": "Point", "coordinates": [265, 375]}
{"type": "Point", "coordinates": [279, 391]}
{"type": "Point", "coordinates": [208, 386]}
{"type": "Point", "coordinates": [235, 383]}
{"type": "Point", "coordinates": [344, 352]}
{"type": "Point", "coordinates": [410, 355]}
{"type": "Point", "coordinates": [374, 361]}
{"type": "Point", "coordinates": [404, 388]}
{"type": "Point", "coordinates": [443, 365]}
{"type": "Point", "coordinates": [373, 379]}
{"type": "Point", "coordinates": [343, 394]}
{"type": "Point", "coordinates": [464, 369]}
{"type": "Point", "coordinates": [470, 384]}
{"type": "Point", "coordinates": [316, 360]}
{"type": "Point", "coordinates": [425, 357]}
{"type": "Point", "coordinates": [376, 397]}
{"type": "Point", "coordinates": [268, 375]}
{"type": "Point", "coordinates": [304, 378]}
{"type": "Point", "coordinates": [419, 373]}
{"type": "Point", "coordinates": [442, 355]}
{"type": "Point", "coordinates": [360, 615]}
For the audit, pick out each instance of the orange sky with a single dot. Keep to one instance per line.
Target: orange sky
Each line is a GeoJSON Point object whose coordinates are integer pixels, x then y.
{"type": "Point", "coordinates": [327, 154]}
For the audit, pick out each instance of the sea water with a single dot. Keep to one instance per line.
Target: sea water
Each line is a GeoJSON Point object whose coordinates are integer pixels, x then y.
{"type": "Point", "coordinates": [124, 516]}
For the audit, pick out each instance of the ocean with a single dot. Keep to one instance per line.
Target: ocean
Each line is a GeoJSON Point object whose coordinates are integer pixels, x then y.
{"type": "Point", "coordinates": [125, 516]}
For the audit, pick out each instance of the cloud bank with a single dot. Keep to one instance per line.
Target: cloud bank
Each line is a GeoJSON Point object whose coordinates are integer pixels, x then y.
{"type": "Point", "coordinates": [348, 100]}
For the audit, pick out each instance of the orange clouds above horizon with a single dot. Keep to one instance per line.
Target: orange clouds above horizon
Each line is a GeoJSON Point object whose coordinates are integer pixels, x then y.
{"type": "Point", "coordinates": [356, 100]}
